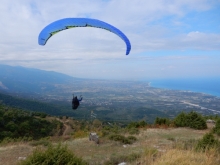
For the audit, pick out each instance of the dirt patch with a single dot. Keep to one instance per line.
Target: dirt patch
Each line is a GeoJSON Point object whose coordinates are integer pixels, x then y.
{"type": "Point", "coordinates": [9, 155]}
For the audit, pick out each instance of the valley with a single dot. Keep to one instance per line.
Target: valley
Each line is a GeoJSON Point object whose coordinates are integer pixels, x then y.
{"type": "Point", "coordinates": [111, 100]}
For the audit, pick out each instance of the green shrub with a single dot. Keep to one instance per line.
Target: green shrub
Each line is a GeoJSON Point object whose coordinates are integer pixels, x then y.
{"type": "Point", "coordinates": [58, 155]}
{"type": "Point", "coordinates": [7, 140]}
{"type": "Point", "coordinates": [136, 124]}
{"type": "Point", "coordinates": [117, 137]}
{"type": "Point", "coordinates": [196, 121]}
{"type": "Point", "coordinates": [181, 120]}
{"type": "Point", "coordinates": [133, 131]}
{"type": "Point", "coordinates": [105, 133]}
{"type": "Point", "coordinates": [142, 123]}
{"type": "Point", "coordinates": [17, 124]}
{"type": "Point", "coordinates": [107, 130]}
{"type": "Point", "coordinates": [192, 120]}
{"type": "Point", "coordinates": [132, 138]}
{"type": "Point", "coordinates": [216, 129]}
{"type": "Point", "coordinates": [162, 121]}
{"type": "Point", "coordinates": [123, 139]}
{"type": "Point", "coordinates": [208, 141]}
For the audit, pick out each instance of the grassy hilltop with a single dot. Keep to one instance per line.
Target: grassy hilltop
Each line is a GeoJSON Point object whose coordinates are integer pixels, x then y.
{"type": "Point", "coordinates": [137, 143]}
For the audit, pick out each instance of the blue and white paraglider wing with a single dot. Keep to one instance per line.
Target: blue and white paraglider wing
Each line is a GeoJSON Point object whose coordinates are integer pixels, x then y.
{"type": "Point", "coordinates": [68, 23]}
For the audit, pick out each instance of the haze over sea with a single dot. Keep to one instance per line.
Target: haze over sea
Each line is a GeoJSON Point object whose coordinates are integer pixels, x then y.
{"type": "Point", "coordinates": [202, 85]}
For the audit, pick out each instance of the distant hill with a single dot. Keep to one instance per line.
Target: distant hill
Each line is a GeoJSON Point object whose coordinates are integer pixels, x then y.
{"type": "Point", "coordinates": [30, 105]}
{"type": "Point", "coordinates": [17, 123]}
{"type": "Point", "coordinates": [37, 106]}
{"type": "Point", "coordinates": [20, 79]}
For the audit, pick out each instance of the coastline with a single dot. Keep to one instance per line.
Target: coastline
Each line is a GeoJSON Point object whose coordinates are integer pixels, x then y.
{"type": "Point", "coordinates": [195, 87]}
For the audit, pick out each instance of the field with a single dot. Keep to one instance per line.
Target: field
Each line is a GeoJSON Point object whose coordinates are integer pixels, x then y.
{"type": "Point", "coordinates": [154, 146]}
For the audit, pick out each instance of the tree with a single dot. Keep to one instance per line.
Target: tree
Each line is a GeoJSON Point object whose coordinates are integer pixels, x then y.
{"type": "Point", "coordinates": [162, 121]}
{"type": "Point", "coordinates": [181, 120]}
{"type": "Point", "coordinates": [196, 121]}
{"type": "Point", "coordinates": [192, 120]}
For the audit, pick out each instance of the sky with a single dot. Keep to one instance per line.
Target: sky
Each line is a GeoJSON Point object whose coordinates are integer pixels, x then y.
{"type": "Point", "coordinates": [169, 38]}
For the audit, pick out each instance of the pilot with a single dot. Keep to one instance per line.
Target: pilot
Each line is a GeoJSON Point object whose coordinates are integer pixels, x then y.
{"type": "Point", "coordinates": [75, 102]}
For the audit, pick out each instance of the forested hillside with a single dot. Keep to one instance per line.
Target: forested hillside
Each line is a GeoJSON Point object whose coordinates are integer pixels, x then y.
{"type": "Point", "coordinates": [55, 109]}
{"type": "Point", "coordinates": [16, 124]}
{"type": "Point", "coordinates": [29, 105]}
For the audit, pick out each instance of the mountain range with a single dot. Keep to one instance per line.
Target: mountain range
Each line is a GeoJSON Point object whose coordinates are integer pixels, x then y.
{"type": "Point", "coordinates": [21, 79]}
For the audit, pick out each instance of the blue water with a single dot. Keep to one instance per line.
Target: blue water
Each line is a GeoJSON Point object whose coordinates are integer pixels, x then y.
{"type": "Point", "coordinates": [203, 85]}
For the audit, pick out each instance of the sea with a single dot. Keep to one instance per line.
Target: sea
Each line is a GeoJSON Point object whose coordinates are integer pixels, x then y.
{"type": "Point", "coordinates": [209, 86]}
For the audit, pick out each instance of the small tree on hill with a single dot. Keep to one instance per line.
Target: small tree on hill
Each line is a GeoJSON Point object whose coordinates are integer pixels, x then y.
{"type": "Point", "coordinates": [192, 120]}
{"type": "Point", "coordinates": [162, 121]}
{"type": "Point", "coordinates": [137, 124]}
{"type": "Point", "coordinates": [216, 129]}
{"type": "Point", "coordinates": [196, 121]}
{"type": "Point", "coordinates": [208, 141]}
{"type": "Point", "coordinates": [181, 120]}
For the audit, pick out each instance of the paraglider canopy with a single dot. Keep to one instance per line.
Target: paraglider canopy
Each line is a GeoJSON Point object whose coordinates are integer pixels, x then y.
{"type": "Point", "coordinates": [68, 23]}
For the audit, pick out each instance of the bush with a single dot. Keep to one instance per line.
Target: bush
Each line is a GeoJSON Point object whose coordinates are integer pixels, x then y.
{"type": "Point", "coordinates": [80, 134]}
{"type": "Point", "coordinates": [140, 124]}
{"type": "Point", "coordinates": [192, 120]}
{"type": "Point", "coordinates": [216, 129]}
{"type": "Point", "coordinates": [208, 141]}
{"type": "Point", "coordinates": [53, 156]}
{"type": "Point", "coordinates": [119, 138]}
{"type": "Point", "coordinates": [181, 120]}
{"type": "Point", "coordinates": [162, 121]}
{"type": "Point", "coordinates": [132, 139]}
{"type": "Point", "coordinates": [17, 124]}
{"type": "Point", "coordinates": [196, 121]}
{"type": "Point", "coordinates": [107, 130]}
{"type": "Point", "coordinates": [133, 131]}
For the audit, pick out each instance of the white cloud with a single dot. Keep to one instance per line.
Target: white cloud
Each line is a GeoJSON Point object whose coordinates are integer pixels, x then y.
{"type": "Point", "coordinates": [142, 21]}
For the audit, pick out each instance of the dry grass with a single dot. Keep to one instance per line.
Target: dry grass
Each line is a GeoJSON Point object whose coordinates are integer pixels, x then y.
{"type": "Point", "coordinates": [98, 154]}
{"type": "Point", "coordinates": [188, 157]}
{"type": "Point", "coordinates": [9, 155]}
{"type": "Point", "coordinates": [158, 139]}
{"type": "Point", "coordinates": [154, 145]}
